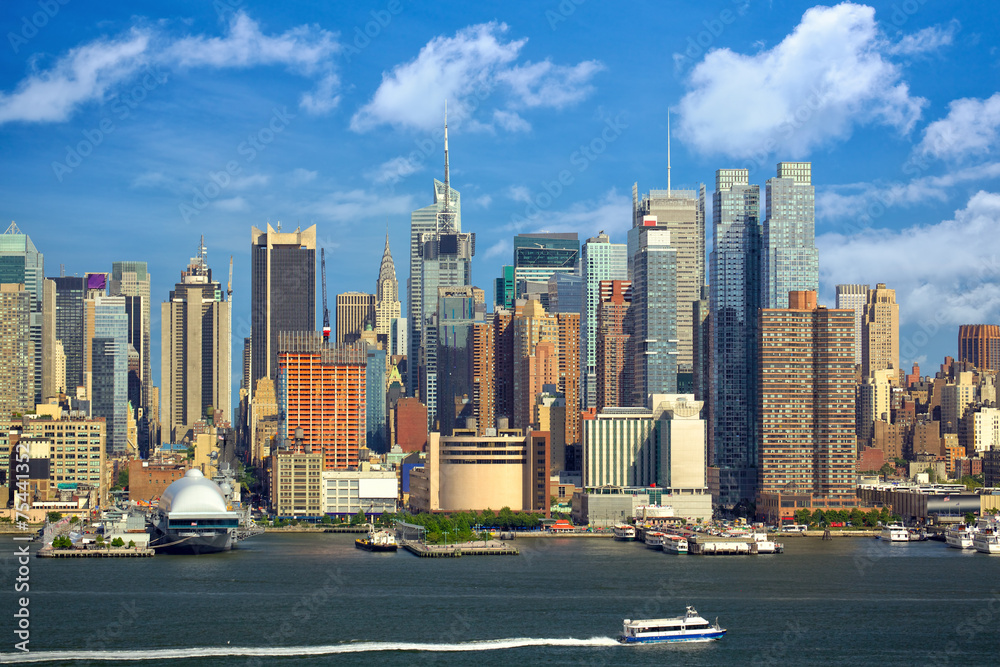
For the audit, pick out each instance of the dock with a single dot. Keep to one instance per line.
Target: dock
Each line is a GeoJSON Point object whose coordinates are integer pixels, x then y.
{"type": "Point", "coordinates": [47, 552]}
{"type": "Point", "coordinates": [491, 548]}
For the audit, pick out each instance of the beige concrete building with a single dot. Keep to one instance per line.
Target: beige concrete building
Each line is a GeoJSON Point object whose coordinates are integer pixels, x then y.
{"type": "Point", "coordinates": [874, 396]}
{"type": "Point", "coordinates": [880, 331]}
{"type": "Point", "coordinates": [195, 350]}
{"type": "Point", "coordinates": [296, 484]}
{"type": "Point", "coordinates": [955, 401]}
{"type": "Point", "coordinates": [854, 297]}
{"type": "Point", "coordinates": [470, 472]}
{"type": "Point", "coordinates": [263, 420]}
{"type": "Point", "coordinates": [17, 358]}
{"type": "Point", "coordinates": [985, 431]}
{"type": "Point", "coordinates": [354, 311]}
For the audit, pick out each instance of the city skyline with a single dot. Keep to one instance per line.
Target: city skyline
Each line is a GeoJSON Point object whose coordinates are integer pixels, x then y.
{"type": "Point", "coordinates": [321, 154]}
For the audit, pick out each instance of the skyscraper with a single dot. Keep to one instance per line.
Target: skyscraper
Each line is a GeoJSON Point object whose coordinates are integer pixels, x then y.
{"type": "Point", "coordinates": [355, 311]}
{"type": "Point", "coordinates": [131, 279]}
{"type": "Point", "coordinates": [789, 261]}
{"type": "Point", "coordinates": [503, 288]}
{"type": "Point", "coordinates": [283, 292]}
{"type": "Point", "coordinates": [109, 370]}
{"type": "Point", "coordinates": [451, 403]}
{"type": "Point", "coordinates": [440, 256]}
{"type": "Point", "coordinates": [20, 262]}
{"type": "Point", "coordinates": [599, 260]}
{"type": "Point", "coordinates": [806, 396]}
{"type": "Point", "coordinates": [17, 359]}
{"type": "Point", "coordinates": [538, 256]}
{"type": "Point", "coordinates": [195, 349]}
{"type": "Point", "coordinates": [854, 297]}
{"type": "Point", "coordinates": [654, 336]}
{"type": "Point", "coordinates": [880, 331]}
{"type": "Point", "coordinates": [387, 306]}
{"type": "Point", "coordinates": [682, 213]}
{"type": "Point", "coordinates": [71, 292]}
{"type": "Point", "coordinates": [734, 282]}
{"type": "Point", "coordinates": [613, 370]}
{"type": "Point", "coordinates": [979, 344]}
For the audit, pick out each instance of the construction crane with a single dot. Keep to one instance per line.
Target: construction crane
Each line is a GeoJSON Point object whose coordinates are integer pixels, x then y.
{"type": "Point", "coordinates": [326, 311]}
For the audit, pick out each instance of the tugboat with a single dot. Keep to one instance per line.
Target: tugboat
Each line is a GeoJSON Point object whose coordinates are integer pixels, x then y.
{"type": "Point", "coordinates": [381, 540]}
{"type": "Point", "coordinates": [687, 628]}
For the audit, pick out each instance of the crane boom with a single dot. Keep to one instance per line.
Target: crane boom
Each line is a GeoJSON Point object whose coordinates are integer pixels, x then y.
{"type": "Point", "coordinates": [326, 311]}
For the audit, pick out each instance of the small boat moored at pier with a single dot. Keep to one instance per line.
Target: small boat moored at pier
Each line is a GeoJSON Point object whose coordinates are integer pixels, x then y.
{"type": "Point", "coordinates": [624, 532]}
{"type": "Point", "coordinates": [687, 628]}
{"type": "Point", "coordinates": [654, 539]}
{"type": "Point", "coordinates": [381, 540]}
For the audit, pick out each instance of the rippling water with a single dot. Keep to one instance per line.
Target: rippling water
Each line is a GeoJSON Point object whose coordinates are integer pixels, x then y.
{"type": "Point", "coordinates": [304, 599]}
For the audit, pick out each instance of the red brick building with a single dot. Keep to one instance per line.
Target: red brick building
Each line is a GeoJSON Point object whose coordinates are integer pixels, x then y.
{"type": "Point", "coordinates": [411, 424]}
{"type": "Point", "coordinates": [147, 481]}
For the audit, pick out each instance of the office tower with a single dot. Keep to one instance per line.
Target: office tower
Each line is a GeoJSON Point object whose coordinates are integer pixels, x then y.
{"type": "Point", "coordinates": [807, 452]}
{"type": "Point", "coordinates": [20, 262]}
{"type": "Point", "coordinates": [387, 307]}
{"type": "Point", "coordinates": [245, 382]}
{"type": "Point", "coordinates": [131, 279]}
{"type": "Point", "coordinates": [613, 368]}
{"type": "Point", "coordinates": [283, 292]}
{"type": "Point", "coordinates": [52, 381]}
{"type": "Point", "coordinates": [376, 431]}
{"type": "Point", "coordinates": [17, 357]}
{"type": "Point", "coordinates": [654, 332]}
{"type": "Point", "coordinates": [108, 391]}
{"type": "Point", "coordinates": [355, 311]}
{"type": "Point", "coordinates": [599, 260]}
{"type": "Point", "coordinates": [195, 350]}
{"type": "Point", "coordinates": [979, 344]}
{"type": "Point", "coordinates": [545, 351]}
{"type": "Point", "coordinates": [450, 401]}
{"type": "Point", "coordinates": [734, 283]}
{"type": "Point", "coordinates": [682, 214]}
{"type": "Point", "coordinates": [854, 297]}
{"type": "Point", "coordinates": [483, 376]}
{"type": "Point", "coordinates": [503, 348]}
{"type": "Point", "coordinates": [880, 332]}
{"type": "Point", "coordinates": [873, 404]}
{"type": "Point", "coordinates": [503, 294]}
{"type": "Point", "coordinates": [70, 295]}
{"type": "Point", "coordinates": [323, 392]}
{"type": "Point", "coordinates": [434, 231]}
{"type": "Point", "coordinates": [445, 261]}
{"type": "Point", "coordinates": [789, 259]}
{"type": "Point", "coordinates": [701, 341]}
{"type": "Point", "coordinates": [538, 256]}
{"type": "Point", "coordinates": [565, 293]}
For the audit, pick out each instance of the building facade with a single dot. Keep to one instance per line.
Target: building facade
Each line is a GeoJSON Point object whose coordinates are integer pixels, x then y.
{"type": "Point", "coordinates": [880, 332]}
{"type": "Point", "coordinates": [854, 297]}
{"type": "Point", "coordinates": [613, 368]}
{"type": "Point", "coordinates": [600, 260]}
{"type": "Point", "coordinates": [17, 352]}
{"type": "Point", "coordinates": [355, 312]}
{"type": "Point", "coordinates": [387, 306]}
{"type": "Point", "coordinates": [654, 332]}
{"type": "Point", "coordinates": [789, 258]}
{"type": "Point", "coordinates": [979, 344]}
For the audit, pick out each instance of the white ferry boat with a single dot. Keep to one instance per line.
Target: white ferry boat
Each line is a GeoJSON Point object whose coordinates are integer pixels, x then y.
{"type": "Point", "coordinates": [960, 537]}
{"type": "Point", "coordinates": [987, 537]}
{"type": "Point", "coordinates": [895, 532]}
{"type": "Point", "coordinates": [674, 544]}
{"type": "Point", "coordinates": [687, 628]}
{"type": "Point", "coordinates": [624, 532]}
{"type": "Point", "coordinates": [654, 539]}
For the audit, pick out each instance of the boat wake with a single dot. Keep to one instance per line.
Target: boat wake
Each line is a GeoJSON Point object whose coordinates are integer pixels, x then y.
{"type": "Point", "coordinates": [298, 651]}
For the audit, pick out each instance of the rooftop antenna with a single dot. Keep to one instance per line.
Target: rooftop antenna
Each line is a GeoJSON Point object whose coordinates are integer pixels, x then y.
{"type": "Point", "coordinates": [446, 219]}
{"type": "Point", "coordinates": [13, 229]}
{"type": "Point", "coordinates": [668, 153]}
{"type": "Point", "coordinates": [326, 311]}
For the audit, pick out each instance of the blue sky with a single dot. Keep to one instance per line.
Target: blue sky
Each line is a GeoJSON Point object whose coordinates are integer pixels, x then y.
{"type": "Point", "coordinates": [129, 131]}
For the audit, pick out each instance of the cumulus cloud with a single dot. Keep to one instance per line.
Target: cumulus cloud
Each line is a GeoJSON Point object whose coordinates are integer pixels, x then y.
{"type": "Point", "coordinates": [959, 285]}
{"type": "Point", "coordinates": [611, 212]}
{"type": "Point", "coordinates": [467, 69]}
{"type": "Point", "coordinates": [86, 73]}
{"type": "Point", "coordinates": [301, 176]}
{"type": "Point", "coordinates": [499, 249]}
{"type": "Point", "coordinates": [511, 121]}
{"type": "Point", "coordinates": [393, 171]}
{"type": "Point", "coordinates": [354, 205]}
{"type": "Point", "coordinates": [970, 128]}
{"type": "Point", "coordinates": [827, 76]}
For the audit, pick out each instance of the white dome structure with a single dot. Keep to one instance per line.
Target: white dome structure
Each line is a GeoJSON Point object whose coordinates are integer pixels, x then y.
{"type": "Point", "coordinates": [193, 494]}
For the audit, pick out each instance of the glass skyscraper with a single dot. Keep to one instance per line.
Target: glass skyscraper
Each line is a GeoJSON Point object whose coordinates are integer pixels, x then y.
{"type": "Point", "coordinates": [71, 291]}
{"type": "Point", "coordinates": [599, 260]}
{"type": "Point", "coordinates": [538, 256]}
{"type": "Point", "coordinates": [20, 262]}
{"type": "Point", "coordinates": [734, 279]}
{"type": "Point", "coordinates": [109, 361]}
{"type": "Point", "coordinates": [459, 310]}
{"type": "Point", "coordinates": [790, 260]}
{"type": "Point", "coordinates": [375, 418]}
{"type": "Point", "coordinates": [653, 314]}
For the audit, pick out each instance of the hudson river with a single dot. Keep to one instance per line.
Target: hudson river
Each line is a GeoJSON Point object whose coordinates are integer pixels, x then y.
{"type": "Point", "coordinates": [308, 599]}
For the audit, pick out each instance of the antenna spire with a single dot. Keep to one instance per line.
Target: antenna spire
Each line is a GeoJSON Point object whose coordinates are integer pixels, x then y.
{"type": "Point", "coordinates": [668, 153]}
{"type": "Point", "coordinates": [447, 182]}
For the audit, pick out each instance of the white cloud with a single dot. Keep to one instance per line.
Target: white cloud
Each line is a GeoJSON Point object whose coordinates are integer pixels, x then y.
{"type": "Point", "coordinates": [612, 212]}
{"type": "Point", "coordinates": [862, 201]}
{"type": "Point", "coordinates": [86, 73]}
{"type": "Point", "coordinates": [499, 249]}
{"type": "Point", "coordinates": [250, 181]}
{"type": "Point", "coordinates": [519, 193]}
{"type": "Point", "coordinates": [481, 202]}
{"type": "Point", "coordinates": [83, 75]}
{"type": "Point", "coordinates": [813, 87]}
{"type": "Point", "coordinates": [355, 205]}
{"type": "Point", "coordinates": [946, 272]}
{"type": "Point", "coordinates": [233, 204]}
{"type": "Point", "coordinates": [970, 128]}
{"type": "Point", "coordinates": [466, 69]}
{"type": "Point", "coordinates": [928, 39]}
{"type": "Point", "coordinates": [301, 176]}
{"type": "Point", "coordinates": [394, 170]}
{"type": "Point", "coordinates": [511, 121]}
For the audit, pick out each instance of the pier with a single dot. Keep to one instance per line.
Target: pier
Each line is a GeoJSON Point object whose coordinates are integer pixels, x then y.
{"type": "Point", "coordinates": [490, 548]}
{"type": "Point", "coordinates": [48, 552]}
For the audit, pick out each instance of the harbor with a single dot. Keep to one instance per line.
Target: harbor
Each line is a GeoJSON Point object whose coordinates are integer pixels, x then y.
{"type": "Point", "coordinates": [487, 548]}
